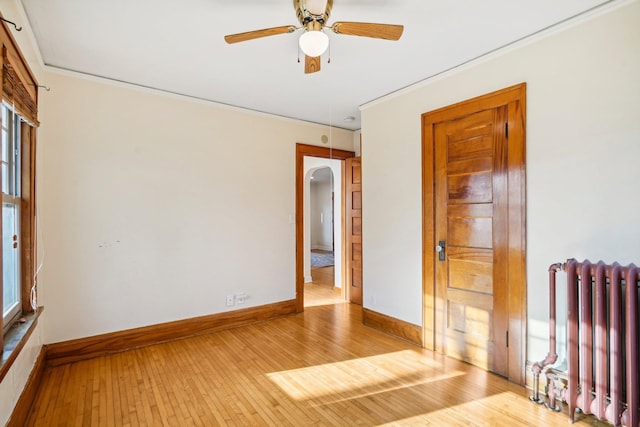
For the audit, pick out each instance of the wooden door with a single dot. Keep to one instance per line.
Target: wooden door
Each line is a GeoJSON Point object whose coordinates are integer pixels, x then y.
{"type": "Point", "coordinates": [470, 222]}
{"type": "Point", "coordinates": [473, 181]}
{"type": "Point", "coordinates": [354, 230]}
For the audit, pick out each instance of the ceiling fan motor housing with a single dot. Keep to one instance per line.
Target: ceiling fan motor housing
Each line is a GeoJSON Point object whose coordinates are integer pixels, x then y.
{"type": "Point", "coordinates": [306, 13]}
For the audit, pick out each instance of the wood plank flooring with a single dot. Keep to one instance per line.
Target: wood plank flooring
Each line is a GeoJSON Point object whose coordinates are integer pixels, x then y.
{"type": "Point", "coordinates": [321, 290]}
{"type": "Point", "coordinates": [318, 368]}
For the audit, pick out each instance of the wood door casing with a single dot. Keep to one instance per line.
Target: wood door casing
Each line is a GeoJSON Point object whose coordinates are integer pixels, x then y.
{"type": "Point", "coordinates": [505, 262]}
{"type": "Point", "coordinates": [303, 150]}
{"type": "Point", "coordinates": [354, 229]}
{"type": "Point", "coordinates": [470, 208]}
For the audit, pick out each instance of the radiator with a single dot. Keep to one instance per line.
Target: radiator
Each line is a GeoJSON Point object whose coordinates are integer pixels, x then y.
{"type": "Point", "coordinates": [602, 343]}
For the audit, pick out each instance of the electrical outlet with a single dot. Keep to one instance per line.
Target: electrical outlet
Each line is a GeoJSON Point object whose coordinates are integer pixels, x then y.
{"type": "Point", "coordinates": [229, 300]}
{"type": "Point", "coordinates": [240, 297]}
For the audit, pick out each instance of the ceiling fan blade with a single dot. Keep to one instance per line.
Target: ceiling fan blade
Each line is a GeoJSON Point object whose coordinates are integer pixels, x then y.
{"type": "Point", "coordinates": [311, 64]}
{"type": "Point", "coordinates": [250, 35]}
{"type": "Point", "coordinates": [366, 29]}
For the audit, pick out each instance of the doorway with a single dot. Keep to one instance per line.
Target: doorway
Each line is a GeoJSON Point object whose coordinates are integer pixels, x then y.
{"type": "Point", "coordinates": [303, 242]}
{"type": "Point", "coordinates": [474, 283]}
{"type": "Point", "coordinates": [322, 275]}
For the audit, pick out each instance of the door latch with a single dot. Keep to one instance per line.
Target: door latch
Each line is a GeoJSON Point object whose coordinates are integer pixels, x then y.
{"type": "Point", "coordinates": [441, 250]}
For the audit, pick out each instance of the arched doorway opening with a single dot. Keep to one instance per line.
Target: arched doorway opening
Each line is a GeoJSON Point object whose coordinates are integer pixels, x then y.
{"type": "Point", "coordinates": [310, 157]}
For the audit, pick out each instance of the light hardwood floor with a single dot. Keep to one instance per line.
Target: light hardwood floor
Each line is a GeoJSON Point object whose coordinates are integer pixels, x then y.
{"type": "Point", "coordinates": [321, 290]}
{"type": "Point", "coordinates": [322, 367]}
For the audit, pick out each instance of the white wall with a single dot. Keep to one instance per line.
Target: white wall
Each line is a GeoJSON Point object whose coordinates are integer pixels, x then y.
{"type": "Point", "coordinates": [12, 385]}
{"type": "Point", "coordinates": [583, 146]}
{"type": "Point", "coordinates": [155, 207]}
{"type": "Point", "coordinates": [356, 142]}
{"type": "Point", "coordinates": [321, 216]}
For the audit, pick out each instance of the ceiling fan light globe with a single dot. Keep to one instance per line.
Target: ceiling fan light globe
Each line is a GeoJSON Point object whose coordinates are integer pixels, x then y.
{"type": "Point", "coordinates": [314, 43]}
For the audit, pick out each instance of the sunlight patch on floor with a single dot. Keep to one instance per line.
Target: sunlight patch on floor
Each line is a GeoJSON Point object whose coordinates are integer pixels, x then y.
{"type": "Point", "coordinates": [473, 413]}
{"type": "Point", "coordinates": [506, 408]}
{"type": "Point", "coordinates": [315, 295]}
{"type": "Point", "coordinates": [354, 378]}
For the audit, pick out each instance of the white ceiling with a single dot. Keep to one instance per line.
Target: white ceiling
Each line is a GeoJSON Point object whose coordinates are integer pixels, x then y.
{"type": "Point", "coordinates": [178, 47]}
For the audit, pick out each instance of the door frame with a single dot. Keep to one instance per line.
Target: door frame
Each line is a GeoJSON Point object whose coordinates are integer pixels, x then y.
{"type": "Point", "coordinates": [515, 99]}
{"type": "Point", "coordinates": [303, 150]}
{"type": "Point", "coordinates": [349, 241]}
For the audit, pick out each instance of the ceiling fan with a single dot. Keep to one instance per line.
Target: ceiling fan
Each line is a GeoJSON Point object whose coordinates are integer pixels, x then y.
{"type": "Point", "coordinates": [313, 16]}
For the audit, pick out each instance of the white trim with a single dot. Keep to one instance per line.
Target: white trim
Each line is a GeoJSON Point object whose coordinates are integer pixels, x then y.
{"type": "Point", "coordinates": [503, 50]}
{"type": "Point", "coordinates": [308, 279]}
{"type": "Point", "coordinates": [27, 30]}
{"type": "Point", "coordinates": [183, 97]}
{"type": "Point", "coordinates": [35, 47]}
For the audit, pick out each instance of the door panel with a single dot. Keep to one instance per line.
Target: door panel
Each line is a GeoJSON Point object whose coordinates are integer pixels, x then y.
{"type": "Point", "coordinates": [470, 231]}
{"type": "Point", "coordinates": [354, 230]}
{"type": "Point", "coordinates": [473, 187]}
{"type": "Point", "coordinates": [356, 197]}
{"type": "Point", "coordinates": [469, 161]}
{"type": "Point", "coordinates": [471, 269]}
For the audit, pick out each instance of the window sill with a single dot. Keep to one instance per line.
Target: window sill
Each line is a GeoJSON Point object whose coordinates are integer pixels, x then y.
{"type": "Point", "coordinates": [15, 340]}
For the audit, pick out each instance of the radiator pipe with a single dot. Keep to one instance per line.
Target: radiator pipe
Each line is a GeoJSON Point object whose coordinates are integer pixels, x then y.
{"type": "Point", "coordinates": [631, 416]}
{"type": "Point", "coordinates": [614, 409]}
{"type": "Point", "coordinates": [573, 346]}
{"type": "Point", "coordinates": [552, 356]}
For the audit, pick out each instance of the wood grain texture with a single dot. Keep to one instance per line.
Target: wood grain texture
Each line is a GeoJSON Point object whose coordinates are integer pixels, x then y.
{"type": "Point", "coordinates": [303, 150]}
{"type": "Point", "coordinates": [473, 314]}
{"type": "Point", "coordinates": [321, 291]}
{"type": "Point", "coordinates": [367, 29]}
{"type": "Point", "coordinates": [353, 232]}
{"type": "Point", "coordinates": [471, 269]}
{"type": "Point", "coordinates": [517, 298]}
{"type": "Point", "coordinates": [256, 34]}
{"type": "Point", "coordinates": [2, 33]}
{"type": "Point", "coordinates": [27, 213]}
{"type": "Point", "coordinates": [23, 406]}
{"type": "Point", "coordinates": [322, 367]}
{"type": "Point", "coordinates": [399, 328]}
{"type": "Point", "coordinates": [13, 55]}
{"type": "Point", "coordinates": [511, 184]}
{"type": "Point", "coordinates": [85, 348]}
{"type": "Point", "coordinates": [312, 64]}
{"type": "Point", "coordinates": [20, 87]}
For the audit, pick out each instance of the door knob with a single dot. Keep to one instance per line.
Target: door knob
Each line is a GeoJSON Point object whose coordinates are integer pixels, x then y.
{"type": "Point", "coordinates": [441, 250]}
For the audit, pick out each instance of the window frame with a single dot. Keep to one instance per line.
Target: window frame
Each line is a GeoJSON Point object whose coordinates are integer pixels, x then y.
{"type": "Point", "coordinates": [20, 90]}
{"type": "Point", "coordinates": [13, 196]}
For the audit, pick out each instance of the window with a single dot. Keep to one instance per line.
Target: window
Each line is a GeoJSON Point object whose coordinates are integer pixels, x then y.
{"type": "Point", "coordinates": [17, 167]}
{"type": "Point", "coordinates": [11, 204]}
{"type": "Point", "coordinates": [18, 120]}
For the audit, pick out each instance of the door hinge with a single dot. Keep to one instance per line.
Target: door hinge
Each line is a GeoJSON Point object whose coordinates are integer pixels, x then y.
{"type": "Point", "coordinates": [507, 338]}
{"type": "Point", "coordinates": [506, 130]}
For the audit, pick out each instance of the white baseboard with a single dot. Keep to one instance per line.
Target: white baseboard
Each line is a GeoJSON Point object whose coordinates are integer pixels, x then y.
{"type": "Point", "coordinates": [321, 247]}
{"type": "Point", "coordinates": [308, 279]}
